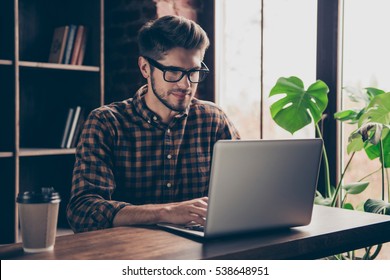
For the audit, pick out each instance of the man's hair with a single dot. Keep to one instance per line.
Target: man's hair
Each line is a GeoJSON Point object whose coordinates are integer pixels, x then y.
{"type": "Point", "coordinates": [157, 37]}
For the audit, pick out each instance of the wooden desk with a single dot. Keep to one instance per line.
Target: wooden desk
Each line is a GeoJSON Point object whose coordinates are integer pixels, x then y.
{"type": "Point", "coordinates": [331, 231]}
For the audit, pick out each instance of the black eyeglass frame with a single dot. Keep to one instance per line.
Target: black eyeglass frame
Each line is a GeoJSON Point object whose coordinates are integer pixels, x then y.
{"type": "Point", "coordinates": [203, 71]}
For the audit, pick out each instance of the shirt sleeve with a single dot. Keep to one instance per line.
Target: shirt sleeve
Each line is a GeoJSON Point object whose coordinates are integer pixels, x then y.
{"type": "Point", "coordinates": [227, 130]}
{"type": "Point", "coordinates": [90, 206]}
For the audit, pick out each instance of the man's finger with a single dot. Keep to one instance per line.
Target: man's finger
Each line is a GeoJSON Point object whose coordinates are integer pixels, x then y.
{"type": "Point", "coordinates": [199, 211]}
{"type": "Point", "coordinates": [198, 220]}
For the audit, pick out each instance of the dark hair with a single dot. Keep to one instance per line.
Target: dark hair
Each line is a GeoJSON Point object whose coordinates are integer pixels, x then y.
{"type": "Point", "coordinates": [168, 32]}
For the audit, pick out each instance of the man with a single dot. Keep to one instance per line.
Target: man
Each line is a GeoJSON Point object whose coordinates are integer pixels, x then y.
{"type": "Point", "coordinates": [147, 159]}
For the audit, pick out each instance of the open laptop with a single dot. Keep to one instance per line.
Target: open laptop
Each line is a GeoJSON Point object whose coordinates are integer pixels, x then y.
{"type": "Point", "coordinates": [259, 185]}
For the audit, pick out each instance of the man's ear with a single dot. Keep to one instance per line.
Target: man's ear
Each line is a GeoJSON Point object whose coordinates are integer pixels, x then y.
{"type": "Point", "coordinates": [144, 67]}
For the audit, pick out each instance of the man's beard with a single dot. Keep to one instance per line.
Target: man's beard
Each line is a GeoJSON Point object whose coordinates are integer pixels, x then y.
{"type": "Point", "coordinates": [180, 107]}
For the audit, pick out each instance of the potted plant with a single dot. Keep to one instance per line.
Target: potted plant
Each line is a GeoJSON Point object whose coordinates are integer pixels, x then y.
{"type": "Point", "coordinates": [299, 107]}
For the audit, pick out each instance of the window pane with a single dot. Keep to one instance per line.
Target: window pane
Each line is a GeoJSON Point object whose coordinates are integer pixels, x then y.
{"type": "Point", "coordinates": [238, 58]}
{"type": "Point", "coordinates": [366, 61]}
{"type": "Point", "coordinates": [289, 50]}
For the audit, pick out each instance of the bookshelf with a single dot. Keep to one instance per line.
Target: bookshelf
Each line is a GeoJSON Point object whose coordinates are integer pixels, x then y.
{"type": "Point", "coordinates": [35, 97]}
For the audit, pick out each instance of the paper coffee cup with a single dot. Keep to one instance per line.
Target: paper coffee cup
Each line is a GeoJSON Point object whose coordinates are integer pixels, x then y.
{"type": "Point", "coordinates": [38, 214]}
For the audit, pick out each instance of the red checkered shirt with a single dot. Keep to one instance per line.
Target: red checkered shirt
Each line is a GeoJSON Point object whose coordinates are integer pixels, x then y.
{"type": "Point", "coordinates": [126, 155]}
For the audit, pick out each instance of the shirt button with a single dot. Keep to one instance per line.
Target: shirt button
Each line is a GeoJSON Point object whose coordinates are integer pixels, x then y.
{"type": "Point", "coordinates": [168, 130]}
{"type": "Point", "coordinates": [155, 118]}
{"type": "Point", "coordinates": [149, 121]}
{"type": "Point", "coordinates": [169, 156]}
{"type": "Point", "coordinates": [169, 185]}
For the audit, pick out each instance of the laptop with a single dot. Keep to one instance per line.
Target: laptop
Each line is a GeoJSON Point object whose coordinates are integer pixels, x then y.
{"type": "Point", "coordinates": [259, 185]}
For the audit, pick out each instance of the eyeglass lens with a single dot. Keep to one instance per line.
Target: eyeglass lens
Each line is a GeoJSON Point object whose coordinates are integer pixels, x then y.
{"type": "Point", "coordinates": [195, 76]}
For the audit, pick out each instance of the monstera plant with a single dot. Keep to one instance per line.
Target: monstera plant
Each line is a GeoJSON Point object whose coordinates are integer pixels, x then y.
{"type": "Point", "coordinates": [372, 135]}
{"type": "Point", "coordinates": [298, 107]}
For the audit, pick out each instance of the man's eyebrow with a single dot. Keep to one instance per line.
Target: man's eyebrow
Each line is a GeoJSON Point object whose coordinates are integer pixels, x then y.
{"type": "Point", "coordinates": [175, 68]}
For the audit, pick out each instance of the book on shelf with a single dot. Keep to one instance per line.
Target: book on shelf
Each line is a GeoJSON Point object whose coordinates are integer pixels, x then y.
{"type": "Point", "coordinates": [58, 44]}
{"type": "Point", "coordinates": [81, 54]}
{"type": "Point", "coordinates": [69, 43]}
{"type": "Point", "coordinates": [67, 127]}
{"type": "Point", "coordinates": [73, 126]}
{"type": "Point", "coordinates": [77, 44]}
{"type": "Point", "coordinates": [79, 127]}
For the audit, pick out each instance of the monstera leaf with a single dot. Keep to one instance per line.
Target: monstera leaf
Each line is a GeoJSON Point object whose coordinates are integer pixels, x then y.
{"type": "Point", "coordinates": [377, 206]}
{"type": "Point", "coordinates": [374, 125]}
{"type": "Point", "coordinates": [299, 107]}
{"type": "Point", "coordinates": [377, 111]}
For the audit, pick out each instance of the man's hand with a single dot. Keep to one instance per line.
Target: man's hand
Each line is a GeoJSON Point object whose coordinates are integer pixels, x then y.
{"type": "Point", "coordinates": [185, 212]}
{"type": "Point", "coordinates": [176, 213]}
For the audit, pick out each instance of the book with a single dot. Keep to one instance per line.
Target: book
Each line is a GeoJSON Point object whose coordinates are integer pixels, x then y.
{"type": "Point", "coordinates": [72, 130]}
{"type": "Point", "coordinates": [69, 44]}
{"type": "Point", "coordinates": [77, 44]}
{"type": "Point", "coordinates": [58, 44]}
{"type": "Point", "coordinates": [80, 57]}
{"type": "Point", "coordinates": [78, 130]}
{"type": "Point", "coordinates": [67, 127]}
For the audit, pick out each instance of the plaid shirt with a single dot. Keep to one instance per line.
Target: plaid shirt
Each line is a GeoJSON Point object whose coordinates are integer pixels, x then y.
{"type": "Point", "coordinates": [126, 155]}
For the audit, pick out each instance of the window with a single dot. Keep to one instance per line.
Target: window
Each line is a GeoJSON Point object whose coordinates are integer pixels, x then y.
{"type": "Point", "coordinates": [286, 46]}
{"type": "Point", "coordinates": [365, 61]}
{"type": "Point", "coordinates": [238, 63]}
{"type": "Point", "coordinates": [260, 41]}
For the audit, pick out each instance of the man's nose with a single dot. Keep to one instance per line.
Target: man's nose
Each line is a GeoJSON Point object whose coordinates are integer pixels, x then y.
{"type": "Point", "coordinates": [184, 82]}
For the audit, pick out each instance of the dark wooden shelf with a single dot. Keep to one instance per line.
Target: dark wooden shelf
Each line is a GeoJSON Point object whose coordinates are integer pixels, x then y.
{"type": "Point", "coordinates": [6, 154]}
{"type": "Point", "coordinates": [30, 152]}
{"type": "Point", "coordinates": [5, 62]}
{"type": "Point", "coordinates": [46, 65]}
{"type": "Point", "coordinates": [36, 97]}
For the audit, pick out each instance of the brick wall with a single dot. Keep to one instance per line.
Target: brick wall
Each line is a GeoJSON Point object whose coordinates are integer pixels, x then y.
{"type": "Point", "coordinates": [122, 22]}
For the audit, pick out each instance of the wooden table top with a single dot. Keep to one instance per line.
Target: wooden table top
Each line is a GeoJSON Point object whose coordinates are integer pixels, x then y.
{"type": "Point", "coordinates": [331, 231]}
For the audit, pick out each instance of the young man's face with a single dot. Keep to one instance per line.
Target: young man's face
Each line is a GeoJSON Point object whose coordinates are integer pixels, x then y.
{"type": "Point", "coordinates": [175, 95]}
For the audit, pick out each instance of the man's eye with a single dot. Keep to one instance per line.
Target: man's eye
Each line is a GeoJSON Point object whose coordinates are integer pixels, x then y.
{"type": "Point", "coordinates": [174, 73]}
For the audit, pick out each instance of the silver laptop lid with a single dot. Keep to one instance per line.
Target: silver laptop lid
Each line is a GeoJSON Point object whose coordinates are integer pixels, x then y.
{"type": "Point", "coordinates": [262, 184]}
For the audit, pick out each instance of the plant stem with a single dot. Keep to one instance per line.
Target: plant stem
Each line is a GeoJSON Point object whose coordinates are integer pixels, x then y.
{"type": "Point", "coordinates": [382, 159]}
{"type": "Point", "coordinates": [376, 252]}
{"type": "Point", "coordinates": [334, 200]}
{"type": "Point", "coordinates": [380, 168]}
{"type": "Point", "coordinates": [326, 164]}
{"type": "Point", "coordinates": [384, 170]}
{"type": "Point", "coordinates": [388, 186]}
{"type": "Point", "coordinates": [343, 201]}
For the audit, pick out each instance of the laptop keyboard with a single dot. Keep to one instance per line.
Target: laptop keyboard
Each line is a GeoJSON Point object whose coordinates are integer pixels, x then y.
{"type": "Point", "coordinates": [195, 227]}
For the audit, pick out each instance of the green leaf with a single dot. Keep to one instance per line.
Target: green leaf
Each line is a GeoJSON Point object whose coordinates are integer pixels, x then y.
{"type": "Point", "coordinates": [298, 107]}
{"type": "Point", "coordinates": [352, 116]}
{"type": "Point", "coordinates": [348, 206]}
{"type": "Point", "coordinates": [368, 136]}
{"type": "Point", "coordinates": [372, 92]}
{"type": "Point", "coordinates": [320, 200]}
{"type": "Point", "coordinates": [378, 110]}
{"type": "Point", "coordinates": [377, 206]}
{"type": "Point", "coordinates": [373, 151]}
{"type": "Point", "coordinates": [355, 143]}
{"type": "Point", "coordinates": [323, 201]}
{"type": "Point", "coordinates": [355, 188]}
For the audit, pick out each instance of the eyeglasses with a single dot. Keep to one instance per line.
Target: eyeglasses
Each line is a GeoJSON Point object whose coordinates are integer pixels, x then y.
{"type": "Point", "coordinates": [174, 74]}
